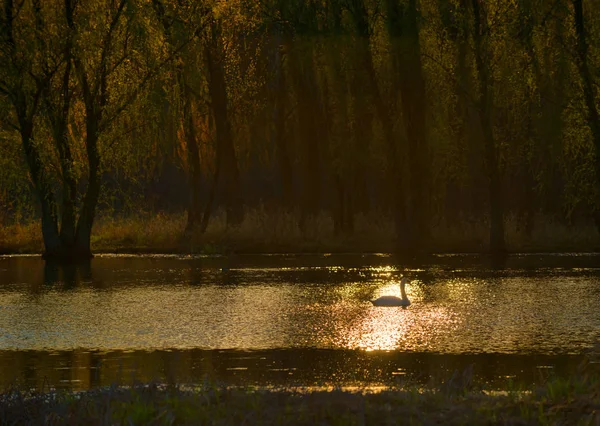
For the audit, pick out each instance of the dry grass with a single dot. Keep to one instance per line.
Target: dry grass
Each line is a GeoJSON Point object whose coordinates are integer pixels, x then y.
{"type": "Point", "coordinates": [278, 231]}
{"type": "Point", "coordinates": [21, 238]}
{"type": "Point", "coordinates": [271, 231]}
{"type": "Point", "coordinates": [548, 235]}
{"type": "Point", "coordinates": [160, 232]}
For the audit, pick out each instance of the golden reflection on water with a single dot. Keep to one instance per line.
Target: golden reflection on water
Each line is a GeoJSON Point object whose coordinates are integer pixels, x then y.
{"type": "Point", "coordinates": [397, 328]}
{"type": "Point", "coordinates": [354, 323]}
{"type": "Point", "coordinates": [127, 304]}
{"type": "Point", "coordinates": [382, 329]}
{"type": "Point", "coordinates": [392, 289]}
{"type": "Point", "coordinates": [169, 304]}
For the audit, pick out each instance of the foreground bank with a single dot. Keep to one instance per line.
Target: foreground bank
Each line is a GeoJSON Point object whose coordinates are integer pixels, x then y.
{"type": "Point", "coordinates": [572, 401]}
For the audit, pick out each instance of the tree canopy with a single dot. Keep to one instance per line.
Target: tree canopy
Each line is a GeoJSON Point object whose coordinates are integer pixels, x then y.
{"type": "Point", "coordinates": [426, 112]}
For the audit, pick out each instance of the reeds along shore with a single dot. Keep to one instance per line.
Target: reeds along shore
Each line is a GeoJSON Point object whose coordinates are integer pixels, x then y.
{"type": "Point", "coordinates": [264, 231]}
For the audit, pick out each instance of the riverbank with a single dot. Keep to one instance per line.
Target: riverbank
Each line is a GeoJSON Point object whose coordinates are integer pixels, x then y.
{"type": "Point", "coordinates": [278, 232]}
{"type": "Point", "coordinates": [572, 401]}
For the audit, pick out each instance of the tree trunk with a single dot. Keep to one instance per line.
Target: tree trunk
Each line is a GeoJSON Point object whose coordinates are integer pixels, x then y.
{"type": "Point", "coordinates": [309, 109]}
{"type": "Point", "coordinates": [359, 137]}
{"type": "Point", "coordinates": [194, 208]}
{"type": "Point", "coordinates": [551, 121]}
{"type": "Point", "coordinates": [279, 118]}
{"type": "Point", "coordinates": [394, 171]}
{"type": "Point", "coordinates": [82, 247]}
{"type": "Point", "coordinates": [589, 94]}
{"type": "Point", "coordinates": [338, 216]}
{"type": "Point", "coordinates": [58, 115]}
{"type": "Point", "coordinates": [485, 102]}
{"type": "Point", "coordinates": [52, 241]}
{"type": "Point", "coordinates": [404, 230]}
{"type": "Point", "coordinates": [193, 158]}
{"type": "Point", "coordinates": [210, 200]}
{"type": "Point", "coordinates": [67, 223]}
{"type": "Point", "coordinates": [412, 90]}
{"type": "Point", "coordinates": [26, 108]}
{"type": "Point", "coordinates": [463, 134]}
{"type": "Point", "coordinates": [529, 198]}
{"type": "Point", "coordinates": [225, 149]}
{"type": "Point", "coordinates": [351, 132]}
{"type": "Point", "coordinates": [462, 187]}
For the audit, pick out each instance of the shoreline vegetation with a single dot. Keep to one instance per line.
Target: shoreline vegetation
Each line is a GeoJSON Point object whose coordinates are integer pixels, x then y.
{"type": "Point", "coordinates": [574, 400]}
{"type": "Point", "coordinates": [277, 232]}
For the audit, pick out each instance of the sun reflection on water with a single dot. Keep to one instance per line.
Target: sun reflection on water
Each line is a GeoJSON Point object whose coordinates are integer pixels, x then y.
{"type": "Point", "coordinates": [390, 289]}
{"type": "Point", "coordinates": [354, 323]}
{"type": "Point", "coordinates": [156, 305]}
{"type": "Point", "coordinates": [397, 328]}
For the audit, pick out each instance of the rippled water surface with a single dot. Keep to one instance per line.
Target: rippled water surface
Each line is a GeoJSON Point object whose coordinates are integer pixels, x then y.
{"type": "Point", "coordinates": [305, 318]}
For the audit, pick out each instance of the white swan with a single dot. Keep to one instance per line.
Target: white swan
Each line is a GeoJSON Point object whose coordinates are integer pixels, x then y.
{"type": "Point", "coordinates": [393, 300]}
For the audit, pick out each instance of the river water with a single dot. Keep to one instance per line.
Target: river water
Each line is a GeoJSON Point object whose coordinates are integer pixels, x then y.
{"type": "Point", "coordinates": [294, 320]}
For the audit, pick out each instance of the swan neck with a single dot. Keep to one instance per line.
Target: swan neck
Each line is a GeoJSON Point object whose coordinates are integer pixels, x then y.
{"type": "Point", "coordinates": [402, 289]}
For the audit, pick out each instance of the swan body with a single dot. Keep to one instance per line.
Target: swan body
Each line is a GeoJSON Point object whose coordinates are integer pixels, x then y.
{"type": "Point", "coordinates": [393, 300]}
{"type": "Point", "coordinates": [390, 301]}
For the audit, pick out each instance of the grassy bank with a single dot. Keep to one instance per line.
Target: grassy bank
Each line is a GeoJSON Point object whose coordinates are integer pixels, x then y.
{"type": "Point", "coordinates": [573, 401]}
{"type": "Point", "coordinates": [265, 231]}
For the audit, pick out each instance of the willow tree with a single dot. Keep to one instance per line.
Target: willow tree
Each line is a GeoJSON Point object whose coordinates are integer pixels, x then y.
{"type": "Point", "coordinates": [483, 63]}
{"type": "Point", "coordinates": [403, 27]}
{"type": "Point", "coordinates": [527, 26]}
{"type": "Point", "coordinates": [589, 85]}
{"type": "Point", "coordinates": [74, 71]}
{"type": "Point", "coordinates": [226, 159]}
{"type": "Point", "coordinates": [178, 25]}
{"type": "Point", "coordinates": [464, 166]}
{"type": "Point", "coordinates": [21, 87]}
{"type": "Point", "coordinates": [553, 81]}
{"type": "Point", "coordinates": [278, 42]}
{"type": "Point", "coordinates": [349, 116]}
{"type": "Point", "coordinates": [304, 24]}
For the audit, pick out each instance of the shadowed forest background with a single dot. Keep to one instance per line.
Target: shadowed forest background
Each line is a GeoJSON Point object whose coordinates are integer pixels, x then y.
{"type": "Point", "coordinates": [292, 125]}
